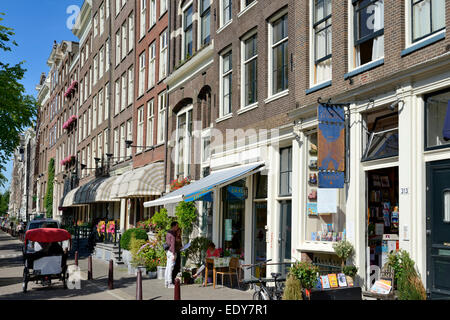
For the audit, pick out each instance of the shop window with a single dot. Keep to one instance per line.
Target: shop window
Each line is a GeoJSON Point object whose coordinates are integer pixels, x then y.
{"type": "Point", "coordinates": [234, 218]}
{"type": "Point", "coordinates": [325, 218]}
{"type": "Point", "coordinates": [447, 206]}
{"type": "Point", "coordinates": [285, 172]}
{"type": "Point", "coordinates": [382, 137]}
{"type": "Point", "coordinates": [260, 186]}
{"type": "Point", "coordinates": [437, 114]}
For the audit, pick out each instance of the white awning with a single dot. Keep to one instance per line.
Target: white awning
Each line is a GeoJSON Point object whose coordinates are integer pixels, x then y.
{"type": "Point", "coordinates": [198, 189]}
{"type": "Point", "coordinates": [103, 193]}
{"type": "Point", "coordinates": [141, 182]}
{"type": "Point", "coordinates": [69, 198]}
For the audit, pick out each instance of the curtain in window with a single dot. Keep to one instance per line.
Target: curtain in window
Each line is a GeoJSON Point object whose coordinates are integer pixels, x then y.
{"type": "Point", "coordinates": [421, 23]}
{"type": "Point", "coordinates": [378, 42]}
{"type": "Point", "coordinates": [323, 71]}
{"type": "Point", "coordinates": [438, 14]}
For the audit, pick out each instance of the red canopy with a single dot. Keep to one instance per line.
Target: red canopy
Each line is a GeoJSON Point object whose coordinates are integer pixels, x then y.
{"type": "Point", "coordinates": [47, 235]}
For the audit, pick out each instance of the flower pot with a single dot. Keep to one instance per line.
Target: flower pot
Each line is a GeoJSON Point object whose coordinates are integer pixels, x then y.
{"type": "Point", "coordinates": [161, 272]}
{"type": "Point", "coordinates": [143, 270]}
{"type": "Point", "coordinates": [152, 274]}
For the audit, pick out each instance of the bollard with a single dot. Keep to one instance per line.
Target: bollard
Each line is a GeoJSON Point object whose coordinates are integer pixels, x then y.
{"type": "Point", "coordinates": [76, 258]}
{"type": "Point", "coordinates": [110, 276]}
{"type": "Point", "coordinates": [90, 268]}
{"type": "Point", "coordinates": [139, 285]}
{"type": "Point", "coordinates": [177, 293]}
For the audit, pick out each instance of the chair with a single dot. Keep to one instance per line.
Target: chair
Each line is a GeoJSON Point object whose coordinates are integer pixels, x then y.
{"type": "Point", "coordinates": [233, 269]}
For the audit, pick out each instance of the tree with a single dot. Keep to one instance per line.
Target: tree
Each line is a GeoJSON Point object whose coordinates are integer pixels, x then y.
{"type": "Point", "coordinates": [48, 200]}
{"type": "Point", "coordinates": [17, 110]}
{"type": "Point", "coordinates": [4, 202]}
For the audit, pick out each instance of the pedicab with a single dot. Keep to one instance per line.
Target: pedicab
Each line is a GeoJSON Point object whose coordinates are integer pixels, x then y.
{"type": "Point", "coordinates": [43, 256]}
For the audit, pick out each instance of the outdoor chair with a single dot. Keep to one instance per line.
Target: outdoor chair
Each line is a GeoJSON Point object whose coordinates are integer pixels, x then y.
{"type": "Point", "coordinates": [233, 270]}
{"type": "Point", "coordinates": [386, 273]}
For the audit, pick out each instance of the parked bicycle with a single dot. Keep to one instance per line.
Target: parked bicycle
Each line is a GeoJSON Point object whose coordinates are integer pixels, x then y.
{"type": "Point", "coordinates": [263, 292]}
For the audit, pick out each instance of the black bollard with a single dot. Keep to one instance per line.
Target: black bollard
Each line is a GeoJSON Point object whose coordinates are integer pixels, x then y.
{"type": "Point", "coordinates": [110, 276]}
{"type": "Point", "coordinates": [177, 291]}
{"type": "Point", "coordinates": [90, 268]}
{"type": "Point", "coordinates": [76, 258]}
{"type": "Point", "coordinates": [139, 285]}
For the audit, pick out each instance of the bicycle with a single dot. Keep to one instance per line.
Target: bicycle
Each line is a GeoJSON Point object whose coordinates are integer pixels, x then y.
{"type": "Point", "coordinates": [262, 292]}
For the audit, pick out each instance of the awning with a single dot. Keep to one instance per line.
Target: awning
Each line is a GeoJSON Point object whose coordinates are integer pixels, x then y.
{"type": "Point", "coordinates": [69, 198]}
{"type": "Point", "coordinates": [103, 193]}
{"type": "Point", "coordinates": [86, 193]}
{"type": "Point", "coordinates": [142, 182]}
{"type": "Point", "coordinates": [204, 186]}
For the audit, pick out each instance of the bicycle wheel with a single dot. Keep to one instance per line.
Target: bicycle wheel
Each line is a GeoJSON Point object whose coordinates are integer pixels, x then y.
{"type": "Point", "coordinates": [257, 295]}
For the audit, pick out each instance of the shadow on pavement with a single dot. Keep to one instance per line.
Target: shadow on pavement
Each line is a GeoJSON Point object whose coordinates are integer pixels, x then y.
{"type": "Point", "coordinates": [10, 281]}
{"type": "Point", "coordinates": [11, 262]}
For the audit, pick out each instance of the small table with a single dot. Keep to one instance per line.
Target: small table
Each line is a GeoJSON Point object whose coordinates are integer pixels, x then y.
{"type": "Point", "coordinates": [216, 263]}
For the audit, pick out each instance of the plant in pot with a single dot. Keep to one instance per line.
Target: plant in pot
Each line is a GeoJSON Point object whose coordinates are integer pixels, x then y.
{"type": "Point", "coordinates": [306, 273]}
{"type": "Point", "coordinates": [344, 250]}
{"type": "Point", "coordinates": [138, 259]}
{"type": "Point", "coordinates": [293, 289]}
{"type": "Point", "coordinates": [196, 253]}
{"type": "Point", "coordinates": [406, 278]}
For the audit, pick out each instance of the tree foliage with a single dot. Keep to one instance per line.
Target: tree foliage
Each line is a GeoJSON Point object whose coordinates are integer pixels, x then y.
{"type": "Point", "coordinates": [4, 202]}
{"type": "Point", "coordinates": [48, 200]}
{"type": "Point", "coordinates": [17, 109]}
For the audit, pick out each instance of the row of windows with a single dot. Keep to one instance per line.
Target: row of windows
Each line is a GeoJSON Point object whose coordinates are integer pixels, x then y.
{"type": "Point", "coordinates": [125, 39]}
{"type": "Point", "coordinates": [150, 11]}
{"type": "Point", "coordinates": [148, 71]}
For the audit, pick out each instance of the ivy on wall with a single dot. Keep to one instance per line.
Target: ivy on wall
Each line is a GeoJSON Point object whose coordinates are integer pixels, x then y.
{"type": "Point", "coordinates": [48, 200]}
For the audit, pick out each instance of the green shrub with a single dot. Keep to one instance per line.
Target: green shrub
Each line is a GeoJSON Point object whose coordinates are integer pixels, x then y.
{"type": "Point", "coordinates": [407, 279]}
{"type": "Point", "coordinates": [161, 220]}
{"type": "Point", "coordinates": [306, 273]}
{"type": "Point", "coordinates": [126, 237]}
{"type": "Point", "coordinates": [350, 271]}
{"type": "Point", "coordinates": [187, 215]}
{"type": "Point", "coordinates": [293, 289]}
{"type": "Point", "coordinates": [344, 250]}
{"type": "Point", "coordinates": [197, 251]}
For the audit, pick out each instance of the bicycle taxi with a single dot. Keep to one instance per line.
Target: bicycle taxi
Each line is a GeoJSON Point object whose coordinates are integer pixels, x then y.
{"type": "Point", "coordinates": [44, 257]}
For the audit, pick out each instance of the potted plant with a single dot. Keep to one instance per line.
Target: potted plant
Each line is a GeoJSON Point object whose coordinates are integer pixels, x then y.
{"type": "Point", "coordinates": [293, 289]}
{"type": "Point", "coordinates": [186, 275]}
{"type": "Point", "coordinates": [307, 274]}
{"type": "Point", "coordinates": [344, 250]}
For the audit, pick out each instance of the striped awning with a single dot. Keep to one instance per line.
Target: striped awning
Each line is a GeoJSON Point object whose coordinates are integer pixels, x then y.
{"type": "Point", "coordinates": [69, 198]}
{"type": "Point", "coordinates": [86, 193]}
{"type": "Point", "coordinates": [142, 182]}
{"type": "Point", "coordinates": [103, 193]}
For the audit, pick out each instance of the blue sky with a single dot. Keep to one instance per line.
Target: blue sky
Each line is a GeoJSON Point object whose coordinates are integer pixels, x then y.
{"type": "Point", "coordinates": [36, 23]}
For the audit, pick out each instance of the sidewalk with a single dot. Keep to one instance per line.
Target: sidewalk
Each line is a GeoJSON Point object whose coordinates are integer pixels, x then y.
{"type": "Point", "coordinates": [153, 289]}
{"type": "Point", "coordinates": [11, 271]}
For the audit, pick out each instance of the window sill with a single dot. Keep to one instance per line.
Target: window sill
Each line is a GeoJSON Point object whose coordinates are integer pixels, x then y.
{"type": "Point", "coordinates": [228, 116]}
{"type": "Point", "coordinates": [247, 8]}
{"type": "Point", "coordinates": [364, 68]}
{"type": "Point", "coordinates": [224, 26]}
{"type": "Point", "coordinates": [248, 108]}
{"type": "Point", "coordinates": [423, 43]}
{"type": "Point", "coordinates": [277, 96]}
{"type": "Point", "coordinates": [319, 87]}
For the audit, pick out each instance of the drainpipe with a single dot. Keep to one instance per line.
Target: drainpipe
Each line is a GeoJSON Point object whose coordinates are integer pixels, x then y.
{"type": "Point", "coordinates": [167, 98]}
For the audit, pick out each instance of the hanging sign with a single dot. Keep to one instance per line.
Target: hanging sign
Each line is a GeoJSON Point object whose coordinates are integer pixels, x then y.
{"type": "Point", "coordinates": [236, 193]}
{"type": "Point", "coordinates": [331, 146]}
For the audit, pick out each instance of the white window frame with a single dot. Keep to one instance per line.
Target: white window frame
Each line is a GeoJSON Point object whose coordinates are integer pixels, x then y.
{"type": "Point", "coordinates": [224, 23]}
{"type": "Point", "coordinates": [162, 7]}
{"type": "Point", "coordinates": [141, 83]}
{"type": "Point", "coordinates": [150, 123]}
{"type": "Point", "coordinates": [244, 62]}
{"type": "Point", "coordinates": [124, 92]}
{"type": "Point", "coordinates": [274, 19]}
{"type": "Point", "coordinates": [124, 30]}
{"type": "Point", "coordinates": [101, 68]}
{"type": "Point", "coordinates": [95, 69]}
{"type": "Point", "coordinates": [130, 85]}
{"type": "Point", "coordinates": [129, 133]}
{"type": "Point", "coordinates": [143, 19]}
{"type": "Point", "coordinates": [162, 114]}
{"type": "Point", "coordinates": [163, 54]}
{"type": "Point", "coordinates": [130, 32]}
{"type": "Point", "coordinates": [107, 53]}
{"type": "Point", "coordinates": [183, 33]}
{"type": "Point", "coordinates": [116, 151]}
{"type": "Point", "coordinates": [140, 129]}
{"type": "Point", "coordinates": [117, 98]}
{"type": "Point", "coordinates": [152, 15]}
{"type": "Point", "coordinates": [107, 101]}
{"type": "Point", "coordinates": [118, 48]}
{"type": "Point", "coordinates": [102, 18]}
{"type": "Point", "coordinates": [200, 24]}
{"type": "Point", "coordinates": [187, 141]}
{"type": "Point", "coordinates": [96, 26]}
{"type": "Point", "coordinates": [222, 76]}
{"type": "Point", "coordinates": [152, 65]}
{"type": "Point", "coordinates": [94, 111]}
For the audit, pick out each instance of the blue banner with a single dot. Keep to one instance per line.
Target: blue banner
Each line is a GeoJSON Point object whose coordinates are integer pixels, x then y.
{"type": "Point", "coordinates": [331, 180]}
{"type": "Point", "coordinates": [236, 193]}
{"type": "Point", "coordinates": [331, 114]}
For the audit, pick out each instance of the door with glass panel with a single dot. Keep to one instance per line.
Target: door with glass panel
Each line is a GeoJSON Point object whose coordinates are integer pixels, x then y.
{"type": "Point", "coordinates": [438, 230]}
